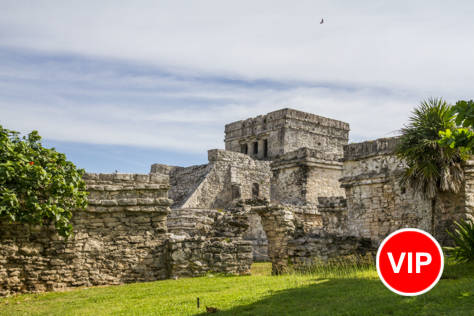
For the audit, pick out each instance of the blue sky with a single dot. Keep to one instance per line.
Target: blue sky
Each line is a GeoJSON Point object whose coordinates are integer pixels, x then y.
{"type": "Point", "coordinates": [121, 85]}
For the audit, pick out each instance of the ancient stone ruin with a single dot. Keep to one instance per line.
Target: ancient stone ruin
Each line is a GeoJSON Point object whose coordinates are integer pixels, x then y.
{"type": "Point", "coordinates": [288, 188]}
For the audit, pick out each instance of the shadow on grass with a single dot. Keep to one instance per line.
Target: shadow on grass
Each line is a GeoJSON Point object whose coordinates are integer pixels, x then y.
{"type": "Point", "coordinates": [453, 295]}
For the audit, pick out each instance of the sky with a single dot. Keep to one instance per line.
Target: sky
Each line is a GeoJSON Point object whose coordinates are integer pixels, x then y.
{"type": "Point", "coordinates": [119, 85]}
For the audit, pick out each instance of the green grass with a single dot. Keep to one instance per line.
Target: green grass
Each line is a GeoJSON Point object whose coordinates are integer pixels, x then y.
{"type": "Point", "coordinates": [326, 291]}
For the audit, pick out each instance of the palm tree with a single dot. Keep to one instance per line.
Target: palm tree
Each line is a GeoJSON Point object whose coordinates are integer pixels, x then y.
{"type": "Point", "coordinates": [431, 168]}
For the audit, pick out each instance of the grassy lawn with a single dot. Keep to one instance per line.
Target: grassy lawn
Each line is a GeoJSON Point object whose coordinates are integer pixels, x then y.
{"type": "Point", "coordinates": [348, 291]}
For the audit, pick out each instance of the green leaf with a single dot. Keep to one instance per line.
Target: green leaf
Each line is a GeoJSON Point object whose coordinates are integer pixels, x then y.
{"type": "Point", "coordinates": [48, 190]}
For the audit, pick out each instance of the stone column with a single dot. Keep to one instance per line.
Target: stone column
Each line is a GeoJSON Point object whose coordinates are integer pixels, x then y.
{"type": "Point", "coordinates": [278, 224]}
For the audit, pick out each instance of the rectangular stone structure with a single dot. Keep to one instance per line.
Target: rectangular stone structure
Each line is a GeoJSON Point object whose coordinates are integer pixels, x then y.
{"type": "Point", "coordinates": [276, 133]}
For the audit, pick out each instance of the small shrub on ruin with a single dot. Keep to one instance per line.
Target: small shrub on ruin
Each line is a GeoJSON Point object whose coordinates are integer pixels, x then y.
{"type": "Point", "coordinates": [463, 237]}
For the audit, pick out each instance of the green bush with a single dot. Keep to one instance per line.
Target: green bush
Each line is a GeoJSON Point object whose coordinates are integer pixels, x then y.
{"type": "Point", "coordinates": [38, 185]}
{"type": "Point", "coordinates": [463, 237]}
{"type": "Point", "coordinates": [463, 135]}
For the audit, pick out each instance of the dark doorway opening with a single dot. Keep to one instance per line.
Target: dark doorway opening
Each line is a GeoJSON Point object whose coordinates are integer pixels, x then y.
{"type": "Point", "coordinates": [235, 191]}
{"type": "Point", "coordinates": [255, 190]}
{"type": "Point", "coordinates": [244, 148]}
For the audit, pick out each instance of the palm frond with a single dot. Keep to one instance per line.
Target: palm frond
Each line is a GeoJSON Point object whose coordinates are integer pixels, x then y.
{"type": "Point", "coordinates": [463, 237]}
{"type": "Point", "coordinates": [431, 168]}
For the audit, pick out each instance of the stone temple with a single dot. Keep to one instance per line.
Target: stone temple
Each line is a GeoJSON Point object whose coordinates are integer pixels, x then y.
{"type": "Point", "coordinates": [303, 162]}
{"type": "Point", "coordinates": [286, 156]}
{"type": "Point", "coordinates": [288, 188]}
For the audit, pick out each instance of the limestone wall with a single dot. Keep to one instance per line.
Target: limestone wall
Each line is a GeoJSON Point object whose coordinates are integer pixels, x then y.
{"type": "Point", "coordinates": [258, 238]}
{"type": "Point", "coordinates": [120, 238]}
{"type": "Point", "coordinates": [207, 222]}
{"type": "Point", "coordinates": [307, 217]}
{"type": "Point", "coordinates": [373, 206]}
{"type": "Point", "coordinates": [206, 240]}
{"type": "Point", "coordinates": [228, 177]}
{"type": "Point", "coordinates": [302, 176]}
{"type": "Point", "coordinates": [314, 249]}
{"type": "Point", "coordinates": [123, 237]}
{"type": "Point", "coordinates": [305, 130]}
{"type": "Point", "coordinates": [330, 240]}
{"type": "Point", "coordinates": [195, 256]}
{"type": "Point", "coordinates": [183, 180]}
{"type": "Point", "coordinates": [292, 239]}
{"type": "Point", "coordinates": [449, 208]}
{"type": "Point", "coordinates": [333, 212]}
{"type": "Point", "coordinates": [191, 222]}
{"type": "Point", "coordinates": [469, 189]}
{"type": "Point", "coordinates": [286, 130]}
{"type": "Point", "coordinates": [377, 203]}
{"type": "Point", "coordinates": [233, 176]}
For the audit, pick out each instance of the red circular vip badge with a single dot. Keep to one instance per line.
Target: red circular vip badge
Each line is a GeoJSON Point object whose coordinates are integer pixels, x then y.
{"type": "Point", "coordinates": [410, 262]}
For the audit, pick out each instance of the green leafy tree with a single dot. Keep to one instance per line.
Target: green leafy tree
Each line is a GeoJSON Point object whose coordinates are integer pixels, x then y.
{"type": "Point", "coordinates": [38, 185]}
{"type": "Point", "coordinates": [462, 136]}
{"type": "Point", "coordinates": [431, 167]}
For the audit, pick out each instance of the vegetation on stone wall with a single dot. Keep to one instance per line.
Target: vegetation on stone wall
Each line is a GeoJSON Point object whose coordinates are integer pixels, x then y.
{"type": "Point", "coordinates": [431, 167]}
{"type": "Point", "coordinates": [38, 185]}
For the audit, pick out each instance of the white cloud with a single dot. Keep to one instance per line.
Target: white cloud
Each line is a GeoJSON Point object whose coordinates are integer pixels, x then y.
{"type": "Point", "coordinates": [402, 43]}
{"type": "Point", "coordinates": [146, 117]}
{"type": "Point", "coordinates": [368, 64]}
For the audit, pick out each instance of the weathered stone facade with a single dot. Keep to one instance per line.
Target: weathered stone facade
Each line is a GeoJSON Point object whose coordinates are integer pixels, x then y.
{"type": "Point", "coordinates": [469, 189]}
{"type": "Point", "coordinates": [294, 240]}
{"type": "Point", "coordinates": [257, 236]}
{"type": "Point", "coordinates": [183, 181]}
{"type": "Point", "coordinates": [304, 175]}
{"type": "Point", "coordinates": [372, 205]}
{"type": "Point", "coordinates": [283, 131]}
{"type": "Point", "coordinates": [203, 241]}
{"type": "Point", "coordinates": [121, 237]}
{"type": "Point", "coordinates": [340, 197]}
{"type": "Point", "coordinates": [333, 212]}
{"type": "Point", "coordinates": [227, 178]}
{"type": "Point", "coordinates": [377, 203]}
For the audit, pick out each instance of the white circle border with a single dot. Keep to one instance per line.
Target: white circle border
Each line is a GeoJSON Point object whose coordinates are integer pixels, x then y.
{"type": "Point", "coordinates": [440, 270]}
